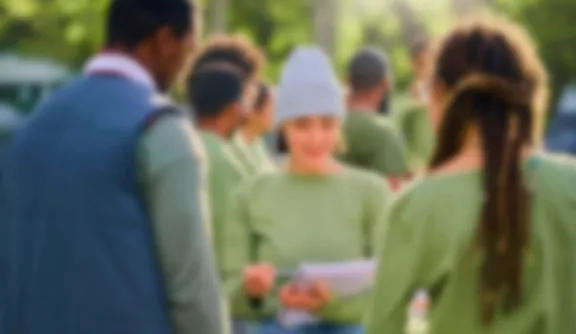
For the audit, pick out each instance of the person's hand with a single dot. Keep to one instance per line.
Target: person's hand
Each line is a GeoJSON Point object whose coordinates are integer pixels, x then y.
{"type": "Point", "coordinates": [259, 279]}
{"type": "Point", "coordinates": [308, 298]}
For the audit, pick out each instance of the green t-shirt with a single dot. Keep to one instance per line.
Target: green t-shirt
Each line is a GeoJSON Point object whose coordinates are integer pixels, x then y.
{"type": "Point", "coordinates": [415, 127]}
{"type": "Point", "coordinates": [373, 144]}
{"type": "Point", "coordinates": [429, 244]}
{"type": "Point", "coordinates": [288, 219]}
{"type": "Point", "coordinates": [252, 157]}
{"type": "Point", "coordinates": [224, 173]}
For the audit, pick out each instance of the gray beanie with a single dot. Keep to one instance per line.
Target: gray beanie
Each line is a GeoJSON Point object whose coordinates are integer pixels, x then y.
{"type": "Point", "coordinates": [308, 86]}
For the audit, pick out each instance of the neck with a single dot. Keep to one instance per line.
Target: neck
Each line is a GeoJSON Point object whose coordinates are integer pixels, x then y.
{"type": "Point", "coordinates": [471, 156]}
{"type": "Point", "coordinates": [297, 167]}
{"type": "Point", "coordinates": [249, 134]}
{"type": "Point", "coordinates": [356, 102]}
{"type": "Point", "coordinates": [212, 125]}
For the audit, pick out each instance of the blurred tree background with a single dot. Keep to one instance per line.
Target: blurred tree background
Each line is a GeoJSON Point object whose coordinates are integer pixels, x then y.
{"type": "Point", "coordinates": [69, 31]}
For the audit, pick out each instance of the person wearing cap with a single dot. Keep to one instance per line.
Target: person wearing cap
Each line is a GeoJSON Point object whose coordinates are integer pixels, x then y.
{"type": "Point", "coordinates": [314, 209]}
{"type": "Point", "coordinates": [247, 144]}
{"type": "Point", "coordinates": [103, 227]}
{"type": "Point", "coordinates": [370, 141]}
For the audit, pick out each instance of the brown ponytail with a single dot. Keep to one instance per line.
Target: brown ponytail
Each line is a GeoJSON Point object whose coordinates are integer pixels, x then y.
{"type": "Point", "coordinates": [490, 88]}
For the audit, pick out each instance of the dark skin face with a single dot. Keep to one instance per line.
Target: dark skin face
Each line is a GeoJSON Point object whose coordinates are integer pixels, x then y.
{"type": "Point", "coordinates": [166, 55]}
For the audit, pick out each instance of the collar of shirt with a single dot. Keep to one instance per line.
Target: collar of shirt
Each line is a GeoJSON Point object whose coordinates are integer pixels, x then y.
{"type": "Point", "coordinates": [116, 63]}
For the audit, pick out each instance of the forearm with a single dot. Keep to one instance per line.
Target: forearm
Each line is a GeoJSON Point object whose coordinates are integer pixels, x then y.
{"type": "Point", "coordinates": [349, 310]}
{"type": "Point", "coordinates": [173, 185]}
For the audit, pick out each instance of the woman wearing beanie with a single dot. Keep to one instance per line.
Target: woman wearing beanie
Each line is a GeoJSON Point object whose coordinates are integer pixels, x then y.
{"type": "Point", "coordinates": [313, 210]}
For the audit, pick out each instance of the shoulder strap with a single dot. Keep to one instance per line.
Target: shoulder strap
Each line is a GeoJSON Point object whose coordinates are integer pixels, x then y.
{"type": "Point", "coordinates": [162, 107]}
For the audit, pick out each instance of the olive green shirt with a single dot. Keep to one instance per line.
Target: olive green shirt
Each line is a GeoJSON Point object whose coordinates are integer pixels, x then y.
{"type": "Point", "coordinates": [415, 127]}
{"type": "Point", "coordinates": [288, 219]}
{"type": "Point", "coordinates": [252, 157]}
{"type": "Point", "coordinates": [224, 174]}
{"type": "Point", "coordinates": [430, 244]}
{"type": "Point", "coordinates": [373, 144]}
{"type": "Point", "coordinates": [173, 176]}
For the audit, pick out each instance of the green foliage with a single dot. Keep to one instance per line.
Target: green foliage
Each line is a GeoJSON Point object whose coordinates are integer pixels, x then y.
{"type": "Point", "coordinates": [71, 30]}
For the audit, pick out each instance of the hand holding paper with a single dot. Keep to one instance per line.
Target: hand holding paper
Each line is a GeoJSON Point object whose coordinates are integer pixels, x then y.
{"type": "Point", "coordinates": [345, 279]}
{"type": "Point", "coordinates": [259, 279]}
{"type": "Point", "coordinates": [309, 297]}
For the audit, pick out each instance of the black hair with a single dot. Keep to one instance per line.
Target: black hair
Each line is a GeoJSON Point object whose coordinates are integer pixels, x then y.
{"type": "Point", "coordinates": [213, 88]}
{"type": "Point", "coordinates": [235, 50]}
{"type": "Point", "coordinates": [281, 145]}
{"type": "Point", "coordinates": [367, 69]}
{"type": "Point", "coordinates": [262, 97]}
{"type": "Point", "coordinates": [130, 22]}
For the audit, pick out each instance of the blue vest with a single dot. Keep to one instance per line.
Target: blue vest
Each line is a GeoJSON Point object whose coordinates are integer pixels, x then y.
{"type": "Point", "coordinates": [76, 249]}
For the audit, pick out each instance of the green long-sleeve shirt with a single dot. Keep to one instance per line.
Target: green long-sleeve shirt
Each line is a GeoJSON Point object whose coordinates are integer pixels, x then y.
{"type": "Point", "coordinates": [414, 124]}
{"type": "Point", "coordinates": [287, 219]}
{"type": "Point", "coordinates": [373, 144]}
{"type": "Point", "coordinates": [430, 244]}
{"type": "Point", "coordinates": [224, 174]}
{"type": "Point", "coordinates": [172, 171]}
{"type": "Point", "coordinates": [253, 157]}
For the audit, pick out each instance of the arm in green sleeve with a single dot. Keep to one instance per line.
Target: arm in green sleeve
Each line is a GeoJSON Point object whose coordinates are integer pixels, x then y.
{"type": "Point", "coordinates": [423, 135]}
{"type": "Point", "coordinates": [396, 279]}
{"type": "Point", "coordinates": [388, 152]}
{"type": "Point", "coordinates": [238, 242]}
{"type": "Point", "coordinates": [352, 310]}
{"type": "Point", "coordinates": [172, 168]}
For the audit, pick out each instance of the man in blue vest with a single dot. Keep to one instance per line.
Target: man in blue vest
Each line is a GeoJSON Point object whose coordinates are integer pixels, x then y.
{"type": "Point", "coordinates": [102, 225]}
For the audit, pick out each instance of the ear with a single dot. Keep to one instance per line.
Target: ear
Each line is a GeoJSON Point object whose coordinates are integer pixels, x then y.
{"type": "Point", "coordinates": [386, 84]}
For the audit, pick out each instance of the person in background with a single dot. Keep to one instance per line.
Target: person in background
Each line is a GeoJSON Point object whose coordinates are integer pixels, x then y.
{"type": "Point", "coordinates": [215, 95]}
{"type": "Point", "coordinates": [237, 51]}
{"type": "Point", "coordinates": [420, 61]}
{"type": "Point", "coordinates": [411, 117]}
{"type": "Point", "coordinates": [102, 220]}
{"type": "Point", "coordinates": [314, 210]}
{"type": "Point", "coordinates": [502, 260]}
{"type": "Point", "coordinates": [247, 144]}
{"type": "Point", "coordinates": [371, 143]}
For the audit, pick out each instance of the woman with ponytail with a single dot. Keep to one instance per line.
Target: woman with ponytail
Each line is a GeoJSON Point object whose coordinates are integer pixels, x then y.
{"type": "Point", "coordinates": [490, 232]}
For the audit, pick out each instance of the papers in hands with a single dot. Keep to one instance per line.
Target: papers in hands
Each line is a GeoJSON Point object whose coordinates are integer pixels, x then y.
{"type": "Point", "coordinates": [345, 279]}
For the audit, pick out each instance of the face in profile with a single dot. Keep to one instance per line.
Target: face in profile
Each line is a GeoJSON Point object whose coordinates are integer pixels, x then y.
{"type": "Point", "coordinates": [266, 113]}
{"type": "Point", "coordinates": [261, 117]}
{"type": "Point", "coordinates": [312, 140]}
{"type": "Point", "coordinates": [172, 54]}
{"type": "Point", "coordinates": [421, 63]}
{"type": "Point", "coordinates": [436, 104]}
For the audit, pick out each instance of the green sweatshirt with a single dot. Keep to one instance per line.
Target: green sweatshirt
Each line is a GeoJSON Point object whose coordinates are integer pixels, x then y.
{"type": "Point", "coordinates": [253, 156]}
{"type": "Point", "coordinates": [172, 169]}
{"type": "Point", "coordinates": [430, 244]}
{"type": "Point", "coordinates": [288, 219]}
{"type": "Point", "coordinates": [224, 174]}
{"type": "Point", "coordinates": [373, 144]}
{"type": "Point", "coordinates": [415, 126]}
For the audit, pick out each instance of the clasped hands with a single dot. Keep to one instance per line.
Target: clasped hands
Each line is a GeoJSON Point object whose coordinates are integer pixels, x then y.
{"type": "Point", "coordinates": [259, 279]}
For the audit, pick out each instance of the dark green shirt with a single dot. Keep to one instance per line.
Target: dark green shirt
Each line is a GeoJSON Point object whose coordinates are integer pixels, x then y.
{"type": "Point", "coordinates": [373, 144]}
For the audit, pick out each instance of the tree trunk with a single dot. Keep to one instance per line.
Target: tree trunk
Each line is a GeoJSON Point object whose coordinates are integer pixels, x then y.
{"type": "Point", "coordinates": [325, 18]}
{"type": "Point", "coordinates": [218, 16]}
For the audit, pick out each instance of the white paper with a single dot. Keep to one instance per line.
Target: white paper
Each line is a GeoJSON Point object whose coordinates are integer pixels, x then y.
{"type": "Point", "coordinates": [345, 279]}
